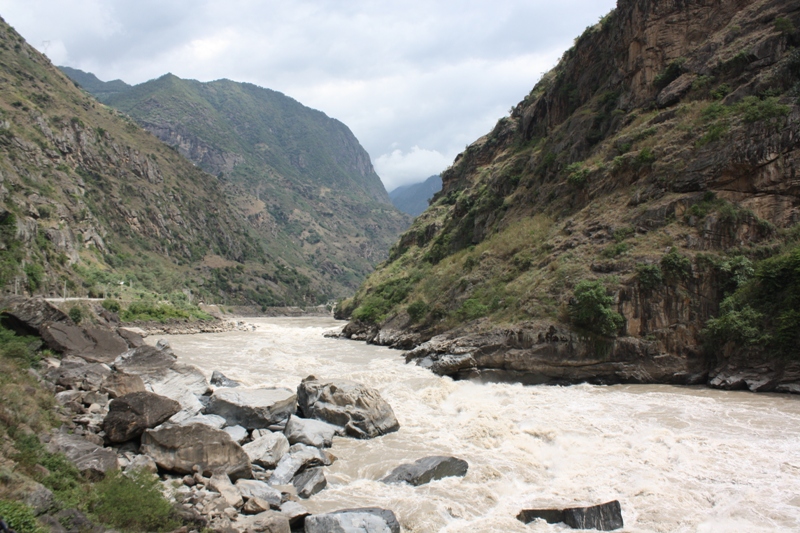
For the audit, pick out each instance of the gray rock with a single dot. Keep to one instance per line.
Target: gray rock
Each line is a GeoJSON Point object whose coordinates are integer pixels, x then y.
{"type": "Point", "coordinates": [142, 462]}
{"type": "Point", "coordinates": [295, 512]}
{"type": "Point", "coordinates": [252, 408]}
{"type": "Point", "coordinates": [218, 379]}
{"type": "Point", "coordinates": [180, 448]}
{"type": "Point", "coordinates": [92, 461]}
{"type": "Point", "coordinates": [311, 432]}
{"type": "Point", "coordinates": [144, 359]}
{"type": "Point", "coordinates": [427, 469]}
{"type": "Point", "coordinates": [266, 522]}
{"type": "Point", "coordinates": [129, 415]}
{"type": "Point", "coordinates": [604, 517]}
{"type": "Point", "coordinates": [119, 384]}
{"type": "Point", "coordinates": [251, 488]}
{"type": "Point", "coordinates": [268, 449]}
{"type": "Point", "coordinates": [76, 374]}
{"type": "Point", "coordinates": [360, 410]}
{"type": "Point", "coordinates": [364, 520]}
{"type": "Point", "coordinates": [93, 343]}
{"type": "Point", "coordinates": [237, 433]}
{"type": "Point", "coordinates": [214, 421]}
{"type": "Point", "coordinates": [309, 482]}
{"type": "Point", "coordinates": [28, 315]}
{"type": "Point", "coordinates": [222, 484]}
{"type": "Point", "coordinates": [39, 498]}
{"type": "Point", "coordinates": [255, 506]}
{"type": "Point", "coordinates": [298, 459]}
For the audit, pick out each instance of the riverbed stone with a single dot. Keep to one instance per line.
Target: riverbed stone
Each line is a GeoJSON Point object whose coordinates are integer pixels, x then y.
{"type": "Point", "coordinates": [221, 483]}
{"type": "Point", "coordinates": [129, 415]}
{"type": "Point", "coordinates": [237, 433]}
{"type": "Point", "coordinates": [119, 384]}
{"type": "Point", "coordinates": [76, 374]}
{"type": "Point", "coordinates": [298, 459]}
{"type": "Point", "coordinates": [179, 448]}
{"type": "Point", "coordinates": [251, 488]}
{"type": "Point", "coordinates": [295, 512]}
{"type": "Point", "coordinates": [360, 410]}
{"type": "Point", "coordinates": [363, 520]}
{"type": "Point", "coordinates": [266, 522]}
{"type": "Point", "coordinates": [311, 432]}
{"type": "Point", "coordinates": [252, 408]}
{"type": "Point", "coordinates": [310, 482]}
{"type": "Point", "coordinates": [603, 517]}
{"type": "Point", "coordinates": [214, 421]}
{"type": "Point", "coordinates": [268, 449]}
{"type": "Point", "coordinates": [427, 469]}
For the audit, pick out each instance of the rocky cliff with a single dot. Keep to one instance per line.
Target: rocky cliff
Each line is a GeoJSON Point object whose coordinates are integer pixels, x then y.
{"type": "Point", "coordinates": [635, 219]}
{"type": "Point", "coordinates": [306, 184]}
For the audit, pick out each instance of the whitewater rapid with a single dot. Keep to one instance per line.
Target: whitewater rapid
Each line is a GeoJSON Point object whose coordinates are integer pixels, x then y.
{"type": "Point", "coordinates": [679, 459]}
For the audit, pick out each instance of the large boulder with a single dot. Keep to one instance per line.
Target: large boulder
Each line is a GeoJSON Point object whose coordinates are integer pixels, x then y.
{"type": "Point", "coordinates": [604, 517]}
{"type": "Point", "coordinates": [310, 431]}
{"type": "Point", "coordinates": [180, 448]}
{"type": "Point", "coordinates": [268, 449]}
{"type": "Point", "coordinates": [266, 522]}
{"type": "Point", "coordinates": [364, 520]}
{"type": "Point", "coordinates": [28, 315]}
{"type": "Point", "coordinates": [131, 414]}
{"type": "Point", "coordinates": [145, 360]}
{"type": "Point", "coordinates": [252, 408]}
{"type": "Point", "coordinates": [93, 343]}
{"type": "Point", "coordinates": [222, 484]}
{"type": "Point", "coordinates": [359, 409]}
{"type": "Point", "coordinates": [92, 460]}
{"type": "Point", "coordinates": [427, 469]}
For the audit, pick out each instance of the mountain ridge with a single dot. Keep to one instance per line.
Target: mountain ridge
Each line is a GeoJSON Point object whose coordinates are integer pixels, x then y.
{"type": "Point", "coordinates": [413, 199]}
{"type": "Point", "coordinates": [307, 185]}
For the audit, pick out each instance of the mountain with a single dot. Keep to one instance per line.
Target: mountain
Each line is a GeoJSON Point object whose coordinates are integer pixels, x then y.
{"type": "Point", "coordinates": [413, 199]}
{"type": "Point", "coordinates": [90, 203]}
{"type": "Point", "coordinates": [306, 184]}
{"type": "Point", "coordinates": [635, 218]}
{"type": "Point", "coordinates": [100, 89]}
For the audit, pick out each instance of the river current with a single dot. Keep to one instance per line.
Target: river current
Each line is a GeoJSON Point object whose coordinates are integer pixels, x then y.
{"type": "Point", "coordinates": [679, 459]}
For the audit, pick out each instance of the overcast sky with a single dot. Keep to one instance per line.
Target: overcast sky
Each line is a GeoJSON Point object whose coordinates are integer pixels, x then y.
{"type": "Point", "coordinates": [416, 81]}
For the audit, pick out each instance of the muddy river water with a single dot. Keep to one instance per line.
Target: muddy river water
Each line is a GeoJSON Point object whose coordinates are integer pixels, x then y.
{"type": "Point", "coordinates": [678, 459]}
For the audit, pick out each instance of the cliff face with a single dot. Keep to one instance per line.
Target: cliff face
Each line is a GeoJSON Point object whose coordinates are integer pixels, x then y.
{"type": "Point", "coordinates": [627, 222]}
{"type": "Point", "coordinates": [307, 185]}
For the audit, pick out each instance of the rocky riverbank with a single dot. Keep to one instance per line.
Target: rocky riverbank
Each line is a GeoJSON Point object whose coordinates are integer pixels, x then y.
{"type": "Point", "coordinates": [230, 458]}
{"type": "Point", "coordinates": [548, 353]}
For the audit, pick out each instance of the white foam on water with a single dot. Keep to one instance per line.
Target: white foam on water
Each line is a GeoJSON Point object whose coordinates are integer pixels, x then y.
{"type": "Point", "coordinates": [679, 459]}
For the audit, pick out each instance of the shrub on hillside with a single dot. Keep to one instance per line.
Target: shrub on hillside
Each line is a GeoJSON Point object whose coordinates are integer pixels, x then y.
{"type": "Point", "coordinates": [132, 502]}
{"type": "Point", "coordinates": [591, 309]}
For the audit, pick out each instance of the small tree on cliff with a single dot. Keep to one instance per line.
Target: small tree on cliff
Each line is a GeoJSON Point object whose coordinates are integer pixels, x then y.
{"type": "Point", "coordinates": [590, 308]}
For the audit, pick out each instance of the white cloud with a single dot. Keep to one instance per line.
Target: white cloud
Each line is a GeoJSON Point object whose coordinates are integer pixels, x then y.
{"type": "Point", "coordinates": [398, 168]}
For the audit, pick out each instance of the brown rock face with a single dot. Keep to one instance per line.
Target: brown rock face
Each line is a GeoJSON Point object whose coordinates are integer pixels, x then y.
{"type": "Point", "coordinates": [180, 448]}
{"type": "Point", "coordinates": [129, 415]}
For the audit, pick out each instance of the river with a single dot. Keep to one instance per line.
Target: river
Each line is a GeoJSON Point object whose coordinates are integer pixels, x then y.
{"type": "Point", "coordinates": [679, 459]}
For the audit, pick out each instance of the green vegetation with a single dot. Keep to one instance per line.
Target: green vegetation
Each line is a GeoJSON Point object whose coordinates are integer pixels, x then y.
{"type": "Point", "coordinates": [649, 276]}
{"type": "Point", "coordinates": [19, 517]}
{"type": "Point", "coordinates": [676, 266]}
{"type": "Point", "coordinates": [75, 314]}
{"type": "Point", "coordinates": [132, 502]}
{"type": "Point", "coordinates": [784, 25]}
{"type": "Point", "coordinates": [418, 310]}
{"type": "Point", "coordinates": [591, 309]}
{"type": "Point", "coordinates": [111, 305]}
{"type": "Point", "coordinates": [670, 74]}
{"type": "Point", "coordinates": [147, 311]}
{"type": "Point", "coordinates": [764, 310]}
{"type": "Point", "coordinates": [577, 174]}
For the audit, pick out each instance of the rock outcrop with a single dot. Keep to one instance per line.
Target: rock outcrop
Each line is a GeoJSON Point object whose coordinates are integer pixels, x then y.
{"type": "Point", "coordinates": [603, 517]}
{"type": "Point", "coordinates": [253, 408]}
{"type": "Point", "coordinates": [353, 521]}
{"type": "Point", "coordinates": [129, 415]}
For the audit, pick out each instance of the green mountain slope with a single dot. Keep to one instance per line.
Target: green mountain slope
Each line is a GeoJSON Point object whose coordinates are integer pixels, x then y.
{"type": "Point", "coordinates": [306, 184]}
{"type": "Point", "coordinates": [641, 201]}
{"type": "Point", "coordinates": [91, 203]}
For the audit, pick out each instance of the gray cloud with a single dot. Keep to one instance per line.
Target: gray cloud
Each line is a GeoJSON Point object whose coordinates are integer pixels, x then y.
{"type": "Point", "coordinates": [416, 80]}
